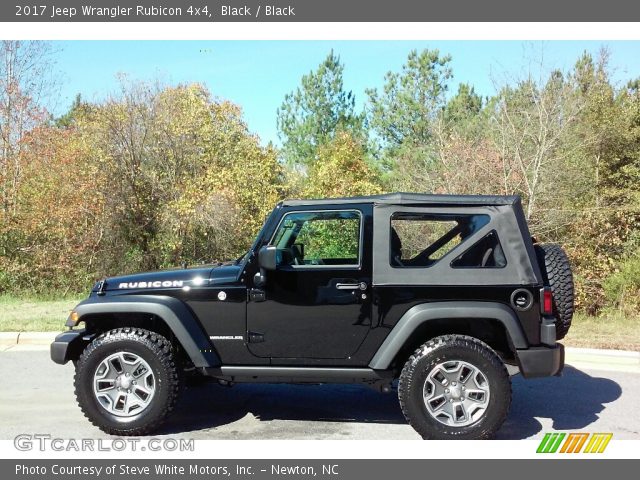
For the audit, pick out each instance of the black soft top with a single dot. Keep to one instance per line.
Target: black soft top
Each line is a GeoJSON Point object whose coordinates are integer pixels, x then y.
{"type": "Point", "coordinates": [401, 198]}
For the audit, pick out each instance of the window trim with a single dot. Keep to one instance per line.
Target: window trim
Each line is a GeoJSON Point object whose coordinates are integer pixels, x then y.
{"type": "Point", "coordinates": [354, 266]}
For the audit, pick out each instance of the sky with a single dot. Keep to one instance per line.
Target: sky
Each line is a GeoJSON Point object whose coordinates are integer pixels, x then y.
{"type": "Point", "coordinates": [258, 74]}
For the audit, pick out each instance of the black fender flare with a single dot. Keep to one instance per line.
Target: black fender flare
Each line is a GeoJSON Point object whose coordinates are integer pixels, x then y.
{"type": "Point", "coordinates": [172, 311]}
{"type": "Point", "coordinates": [425, 312]}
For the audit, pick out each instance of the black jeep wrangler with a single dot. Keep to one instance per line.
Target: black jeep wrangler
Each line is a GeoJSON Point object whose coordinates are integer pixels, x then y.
{"type": "Point", "coordinates": [449, 295]}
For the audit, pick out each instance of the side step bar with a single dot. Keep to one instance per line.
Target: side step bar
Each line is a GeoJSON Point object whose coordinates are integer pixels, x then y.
{"type": "Point", "coordinates": [299, 374]}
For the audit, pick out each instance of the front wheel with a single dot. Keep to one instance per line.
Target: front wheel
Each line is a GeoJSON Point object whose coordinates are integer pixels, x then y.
{"type": "Point", "coordinates": [127, 381]}
{"type": "Point", "coordinates": [455, 387]}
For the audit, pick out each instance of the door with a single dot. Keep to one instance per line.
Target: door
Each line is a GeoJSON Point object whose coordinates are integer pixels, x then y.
{"type": "Point", "coordinates": [317, 303]}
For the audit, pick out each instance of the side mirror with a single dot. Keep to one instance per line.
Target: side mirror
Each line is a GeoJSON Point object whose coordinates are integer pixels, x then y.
{"type": "Point", "coordinates": [267, 257]}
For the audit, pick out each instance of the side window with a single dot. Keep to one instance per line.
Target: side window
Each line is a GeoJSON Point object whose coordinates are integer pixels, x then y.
{"type": "Point", "coordinates": [420, 240]}
{"type": "Point", "coordinates": [485, 253]}
{"type": "Point", "coordinates": [319, 238]}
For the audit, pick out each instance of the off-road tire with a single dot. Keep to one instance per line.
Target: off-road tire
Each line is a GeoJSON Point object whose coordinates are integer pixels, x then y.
{"type": "Point", "coordinates": [159, 354]}
{"type": "Point", "coordinates": [454, 348]}
{"type": "Point", "coordinates": [556, 272]}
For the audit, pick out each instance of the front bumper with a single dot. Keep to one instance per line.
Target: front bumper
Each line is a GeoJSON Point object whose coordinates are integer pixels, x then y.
{"type": "Point", "coordinates": [544, 361]}
{"type": "Point", "coordinates": [68, 346]}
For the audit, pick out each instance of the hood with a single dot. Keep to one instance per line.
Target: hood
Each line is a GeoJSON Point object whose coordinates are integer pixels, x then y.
{"type": "Point", "coordinates": [175, 278]}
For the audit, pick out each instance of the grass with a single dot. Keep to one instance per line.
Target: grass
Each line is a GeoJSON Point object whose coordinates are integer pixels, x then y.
{"type": "Point", "coordinates": [34, 314]}
{"type": "Point", "coordinates": [610, 330]}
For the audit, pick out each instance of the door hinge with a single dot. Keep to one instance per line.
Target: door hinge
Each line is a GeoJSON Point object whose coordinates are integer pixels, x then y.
{"type": "Point", "coordinates": [257, 295]}
{"type": "Point", "coordinates": [255, 337]}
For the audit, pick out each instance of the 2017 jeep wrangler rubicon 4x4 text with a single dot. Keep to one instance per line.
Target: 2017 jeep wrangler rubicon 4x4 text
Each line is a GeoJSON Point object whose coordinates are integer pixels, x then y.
{"type": "Point", "coordinates": [447, 294]}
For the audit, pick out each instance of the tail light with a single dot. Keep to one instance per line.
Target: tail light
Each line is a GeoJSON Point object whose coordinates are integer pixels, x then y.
{"type": "Point", "coordinates": [546, 297]}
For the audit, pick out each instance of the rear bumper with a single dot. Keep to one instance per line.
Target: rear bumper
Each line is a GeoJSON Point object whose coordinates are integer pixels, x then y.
{"type": "Point", "coordinates": [542, 361]}
{"type": "Point", "coordinates": [68, 346]}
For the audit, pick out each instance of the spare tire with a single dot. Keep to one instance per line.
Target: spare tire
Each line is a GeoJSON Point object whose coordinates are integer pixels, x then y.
{"type": "Point", "coordinates": [556, 272]}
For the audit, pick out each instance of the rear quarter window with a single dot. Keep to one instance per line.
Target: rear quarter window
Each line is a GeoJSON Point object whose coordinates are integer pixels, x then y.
{"type": "Point", "coordinates": [421, 240]}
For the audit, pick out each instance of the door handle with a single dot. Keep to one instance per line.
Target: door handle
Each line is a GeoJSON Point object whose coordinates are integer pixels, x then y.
{"type": "Point", "coordinates": [351, 286]}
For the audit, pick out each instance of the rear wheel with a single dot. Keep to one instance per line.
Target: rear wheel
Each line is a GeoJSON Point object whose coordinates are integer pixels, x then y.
{"type": "Point", "coordinates": [556, 271]}
{"type": "Point", "coordinates": [127, 381]}
{"type": "Point", "coordinates": [455, 387]}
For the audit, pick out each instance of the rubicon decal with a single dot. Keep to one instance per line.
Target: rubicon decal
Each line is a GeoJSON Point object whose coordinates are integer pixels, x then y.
{"type": "Point", "coordinates": [155, 284]}
{"type": "Point", "coordinates": [574, 443]}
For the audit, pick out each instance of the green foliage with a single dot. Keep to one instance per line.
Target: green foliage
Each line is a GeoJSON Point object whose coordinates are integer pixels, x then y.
{"type": "Point", "coordinates": [179, 162]}
{"type": "Point", "coordinates": [67, 119]}
{"type": "Point", "coordinates": [331, 238]}
{"type": "Point", "coordinates": [157, 176]}
{"type": "Point", "coordinates": [605, 187]}
{"type": "Point", "coordinates": [464, 107]}
{"type": "Point", "coordinates": [152, 177]}
{"type": "Point", "coordinates": [54, 228]}
{"type": "Point", "coordinates": [312, 115]}
{"type": "Point", "coordinates": [622, 288]}
{"type": "Point", "coordinates": [341, 170]}
{"type": "Point", "coordinates": [417, 234]}
{"type": "Point", "coordinates": [411, 101]}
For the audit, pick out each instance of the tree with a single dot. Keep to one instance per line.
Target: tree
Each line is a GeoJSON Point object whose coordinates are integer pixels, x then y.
{"type": "Point", "coordinates": [404, 113]}
{"type": "Point", "coordinates": [66, 120]}
{"type": "Point", "coordinates": [187, 181]}
{"type": "Point", "coordinates": [605, 238]}
{"type": "Point", "coordinates": [59, 215]}
{"type": "Point", "coordinates": [464, 114]}
{"type": "Point", "coordinates": [341, 170]}
{"type": "Point", "coordinates": [312, 115]}
{"type": "Point", "coordinates": [252, 181]}
{"type": "Point", "coordinates": [532, 124]}
{"type": "Point", "coordinates": [24, 82]}
{"type": "Point", "coordinates": [152, 177]}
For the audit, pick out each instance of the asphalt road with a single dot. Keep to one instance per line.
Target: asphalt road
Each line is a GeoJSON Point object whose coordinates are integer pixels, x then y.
{"type": "Point", "coordinates": [37, 397]}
